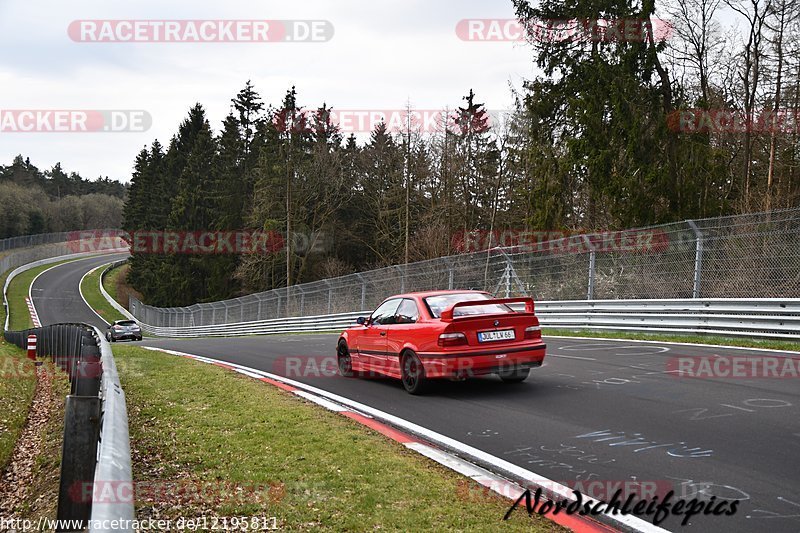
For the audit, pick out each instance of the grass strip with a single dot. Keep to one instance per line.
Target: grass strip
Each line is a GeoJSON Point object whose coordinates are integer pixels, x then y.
{"type": "Point", "coordinates": [195, 425]}
{"type": "Point", "coordinates": [112, 281]}
{"type": "Point", "coordinates": [90, 288]}
{"type": "Point", "coordinates": [17, 386]}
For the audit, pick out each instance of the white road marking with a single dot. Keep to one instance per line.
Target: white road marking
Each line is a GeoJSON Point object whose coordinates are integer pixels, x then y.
{"type": "Point", "coordinates": [572, 357]}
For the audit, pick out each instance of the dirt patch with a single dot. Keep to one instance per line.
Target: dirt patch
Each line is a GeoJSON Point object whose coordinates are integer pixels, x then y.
{"type": "Point", "coordinates": [21, 481]}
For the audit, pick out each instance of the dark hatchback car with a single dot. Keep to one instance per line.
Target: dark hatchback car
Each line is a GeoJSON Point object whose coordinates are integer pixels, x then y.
{"type": "Point", "coordinates": [124, 329]}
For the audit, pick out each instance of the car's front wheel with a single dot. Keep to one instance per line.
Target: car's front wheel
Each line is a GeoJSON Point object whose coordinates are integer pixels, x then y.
{"type": "Point", "coordinates": [515, 376]}
{"type": "Point", "coordinates": [413, 374]}
{"type": "Point", "coordinates": [344, 360]}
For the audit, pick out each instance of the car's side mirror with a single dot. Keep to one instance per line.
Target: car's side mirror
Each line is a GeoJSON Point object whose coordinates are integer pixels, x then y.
{"type": "Point", "coordinates": [361, 320]}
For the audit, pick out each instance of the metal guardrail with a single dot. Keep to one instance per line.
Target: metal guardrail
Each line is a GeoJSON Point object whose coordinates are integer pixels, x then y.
{"type": "Point", "coordinates": [306, 324]}
{"type": "Point", "coordinates": [114, 452]}
{"type": "Point", "coordinates": [758, 318]}
{"type": "Point", "coordinates": [96, 450]}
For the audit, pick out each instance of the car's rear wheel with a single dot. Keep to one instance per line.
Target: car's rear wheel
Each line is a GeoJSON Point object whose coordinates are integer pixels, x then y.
{"type": "Point", "coordinates": [413, 373]}
{"type": "Point", "coordinates": [515, 376]}
{"type": "Point", "coordinates": [344, 360]}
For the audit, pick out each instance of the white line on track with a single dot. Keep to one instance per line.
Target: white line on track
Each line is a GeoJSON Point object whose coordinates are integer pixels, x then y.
{"type": "Point", "coordinates": [572, 357]}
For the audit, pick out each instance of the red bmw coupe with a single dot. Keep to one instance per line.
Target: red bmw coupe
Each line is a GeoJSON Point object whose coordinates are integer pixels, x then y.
{"type": "Point", "coordinates": [422, 336]}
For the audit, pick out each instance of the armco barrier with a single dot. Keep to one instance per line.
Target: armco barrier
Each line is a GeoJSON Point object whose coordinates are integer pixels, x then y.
{"type": "Point", "coordinates": [114, 453]}
{"type": "Point", "coordinates": [757, 318]}
{"type": "Point", "coordinates": [96, 445]}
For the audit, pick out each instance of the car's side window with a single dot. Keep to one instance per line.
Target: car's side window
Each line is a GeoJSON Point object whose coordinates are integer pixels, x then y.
{"type": "Point", "coordinates": [384, 314]}
{"type": "Point", "coordinates": [407, 313]}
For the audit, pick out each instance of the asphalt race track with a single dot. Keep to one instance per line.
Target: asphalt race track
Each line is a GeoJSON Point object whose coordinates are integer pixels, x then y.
{"type": "Point", "coordinates": [597, 410]}
{"type": "Point", "coordinates": [56, 296]}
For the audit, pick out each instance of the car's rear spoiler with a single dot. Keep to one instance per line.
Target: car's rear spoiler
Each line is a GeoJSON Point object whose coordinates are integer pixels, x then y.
{"type": "Point", "coordinates": [447, 314]}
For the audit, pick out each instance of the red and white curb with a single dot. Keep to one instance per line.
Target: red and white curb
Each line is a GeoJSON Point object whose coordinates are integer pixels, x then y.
{"type": "Point", "coordinates": [34, 315]}
{"type": "Point", "coordinates": [435, 445]}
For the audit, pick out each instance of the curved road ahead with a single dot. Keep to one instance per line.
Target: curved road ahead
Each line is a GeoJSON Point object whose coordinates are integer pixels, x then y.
{"type": "Point", "coordinates": [597, 410]}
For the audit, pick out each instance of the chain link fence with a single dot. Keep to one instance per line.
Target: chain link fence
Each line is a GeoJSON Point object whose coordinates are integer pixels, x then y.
{"type": "Point", "coordinates": [745, 256]}
{"type": "Point", "coordinates": [25, 241]}
{"type": "Point", "coordinates": [18, 251]}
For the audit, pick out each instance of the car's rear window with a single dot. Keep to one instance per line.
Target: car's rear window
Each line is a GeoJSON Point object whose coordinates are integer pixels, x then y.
{"type": "Point", "coordinates": [126, 323]}
{"type": "Point", "coordinates": [437, 304]}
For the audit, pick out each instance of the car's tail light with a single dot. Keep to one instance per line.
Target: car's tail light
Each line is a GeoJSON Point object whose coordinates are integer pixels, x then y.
{"type": "Point", "coordinates": [452, 339]}
{"type": "Point", "coordinates": [533, 332]}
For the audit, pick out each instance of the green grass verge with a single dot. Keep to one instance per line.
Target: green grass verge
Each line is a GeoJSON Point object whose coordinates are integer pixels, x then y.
{"type": "Point", "coordinates": [111, 282]}
{"type": "Point", "coordinates": [17, 386]}
{"type": "Point", "coordinates": [90, 288]}
{"type": "Point", "coordinates": [692, 339]}
{"type": "Point", "coordinates": [18, 291]}
{"type": "Point", "coordinates": [207, 427]}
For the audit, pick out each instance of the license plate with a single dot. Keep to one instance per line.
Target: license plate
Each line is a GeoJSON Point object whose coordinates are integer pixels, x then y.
{"type": "Point", "coordinates": [502, 335]}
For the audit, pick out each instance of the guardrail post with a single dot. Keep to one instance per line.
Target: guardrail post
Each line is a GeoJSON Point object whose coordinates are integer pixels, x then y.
{"type": "Point", "coordinates": [78, 458]}
{"type": "Point", "coordinates": [698, 258]}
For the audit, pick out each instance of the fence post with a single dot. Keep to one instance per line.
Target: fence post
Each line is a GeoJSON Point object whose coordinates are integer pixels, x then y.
{"type": "Point", "coordinates": [302, 301]}
{"type": "Point", "coordinates": [363, 292]}
{"type": "Point", "coordinates": [592, 267]}
{"type": "Point", "coordinates": [330, 295]}
{"type": "Point", "coordinates": [402, 278]}
{"type": "Point", "coordinates": [698, 258]}
{"type": "Point", "coordinates": [507, 275]}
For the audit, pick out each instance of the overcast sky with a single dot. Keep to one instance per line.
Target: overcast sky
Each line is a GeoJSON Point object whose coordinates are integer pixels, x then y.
{"type": "Point", "coordinates": [383, 54]}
